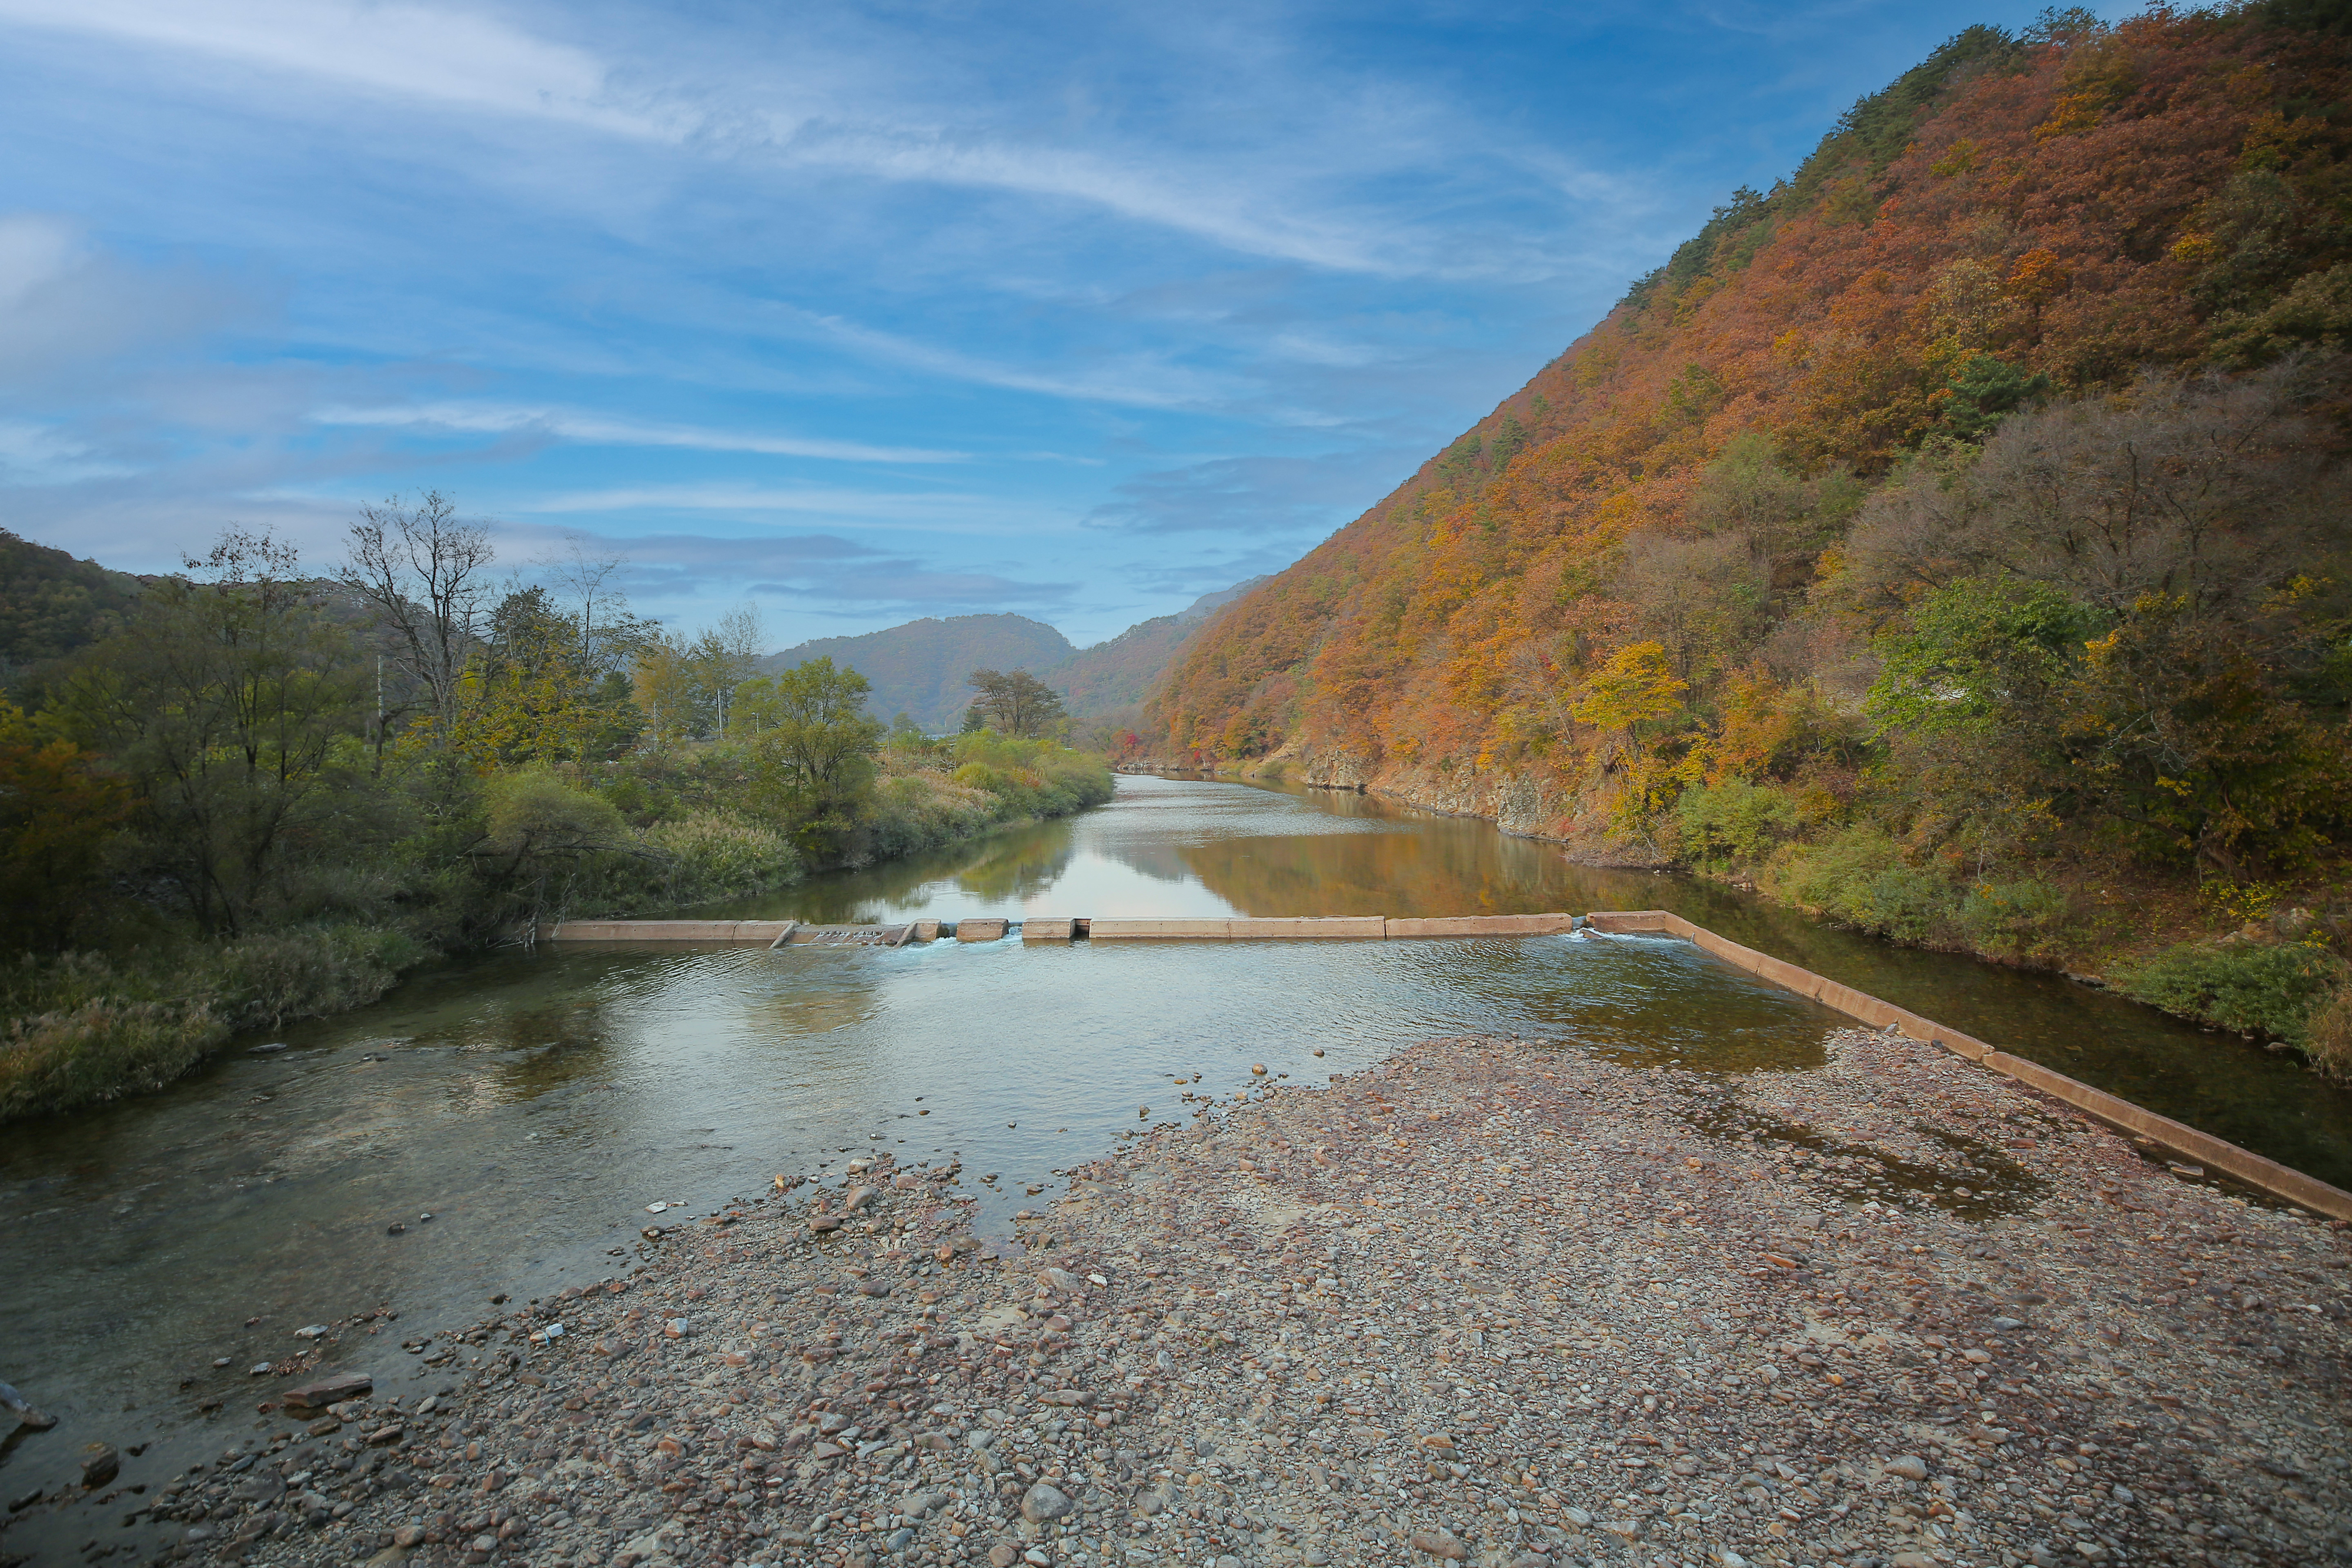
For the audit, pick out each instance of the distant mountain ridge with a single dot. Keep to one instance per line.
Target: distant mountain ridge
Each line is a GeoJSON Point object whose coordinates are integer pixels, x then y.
{"type": "Point", "coordinates": [920, 668]}
{"type": "Point", "coordinates": [1108, 681]}
{"type": "Point", "coordinates": [51, 603]}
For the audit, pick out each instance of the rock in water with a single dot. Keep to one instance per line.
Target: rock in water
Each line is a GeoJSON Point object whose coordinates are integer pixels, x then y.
{"type": "Point", "coordinates": [329, 1391]}
{"type": "Point", "coordinates": [99, 1465]}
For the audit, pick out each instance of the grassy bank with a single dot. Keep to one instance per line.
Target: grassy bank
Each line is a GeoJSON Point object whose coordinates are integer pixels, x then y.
{"type": "Point", "coordinates": [652, 831]}
{"type": "Point", "coordinates": [2263, 960]}
{"type": "Point", "coordinates": [87, 1027]}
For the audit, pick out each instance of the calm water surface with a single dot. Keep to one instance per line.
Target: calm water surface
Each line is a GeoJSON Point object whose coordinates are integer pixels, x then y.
{"type": "Point", "coordinates": [534, 1103]}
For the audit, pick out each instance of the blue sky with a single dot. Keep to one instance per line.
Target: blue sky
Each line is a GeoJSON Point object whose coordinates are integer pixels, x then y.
{"type": "Point", "coordinates": [856, 313]}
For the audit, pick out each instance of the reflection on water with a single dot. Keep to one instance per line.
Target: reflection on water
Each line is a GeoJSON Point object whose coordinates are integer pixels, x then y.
{"type": "Point", "coordinates": [533, 1103]}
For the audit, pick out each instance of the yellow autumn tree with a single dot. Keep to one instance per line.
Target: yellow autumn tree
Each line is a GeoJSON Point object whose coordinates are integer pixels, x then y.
{"type": "Point", "coordinates": [1637, 683]}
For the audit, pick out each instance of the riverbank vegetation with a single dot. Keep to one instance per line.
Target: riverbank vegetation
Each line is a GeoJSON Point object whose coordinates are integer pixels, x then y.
{"type": "Point", "coordinates": [245, 794]}
{"type": "Point", "coordinates": [1955, 539]}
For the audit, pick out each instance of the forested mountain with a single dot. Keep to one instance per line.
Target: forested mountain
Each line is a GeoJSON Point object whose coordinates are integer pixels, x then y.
{"type": "Point", "coordinates": [51, 604]}
{"type": "Point", "coordinates": [1108, 681]}
{"type": "Point", "coordinates": [1953, 537]}
{"type": "Point", "coordinates": [920, 669]}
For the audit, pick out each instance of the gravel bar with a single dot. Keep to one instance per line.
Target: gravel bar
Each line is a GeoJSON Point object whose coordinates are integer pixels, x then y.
{"type": "Point", "coordinates": [1495, 1302]}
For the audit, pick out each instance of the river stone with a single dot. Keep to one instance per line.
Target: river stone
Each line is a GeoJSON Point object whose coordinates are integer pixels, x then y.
{"type": "Point", "coordinates": [329, 1391]}
{"type": "Point", "coordinates": [99, 1464]}
{"type": "Point", "coordinates": [1042, 1502]}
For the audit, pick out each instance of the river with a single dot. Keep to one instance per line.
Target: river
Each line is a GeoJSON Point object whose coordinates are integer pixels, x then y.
{"type": "Point", "coordinates": [535, 1103]}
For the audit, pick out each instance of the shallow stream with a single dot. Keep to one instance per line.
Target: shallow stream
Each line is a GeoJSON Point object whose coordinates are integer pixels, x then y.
{"type": "Point", "coordinates": [535, 1103]}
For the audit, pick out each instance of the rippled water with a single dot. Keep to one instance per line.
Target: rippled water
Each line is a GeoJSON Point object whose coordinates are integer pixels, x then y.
{"type": "Point", "coordinates": [534, 1103]}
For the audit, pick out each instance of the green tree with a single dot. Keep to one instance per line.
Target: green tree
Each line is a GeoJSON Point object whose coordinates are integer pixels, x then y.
{"type": "Point", "coordinates": [1978, 653]}
{"type": "Point", "coordinates": [815, 747]}
{"type": "Point", "coordinates": [528, 696]}
{"type": "Point", "coordinates": [57, 810]}
{"type": "Point", "coordinates": [223, 703]}
{"type": "Point", "coordinates": [1017, 702]}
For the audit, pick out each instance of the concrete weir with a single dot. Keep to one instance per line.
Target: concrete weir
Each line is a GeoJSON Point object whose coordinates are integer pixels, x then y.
{"type": "Point", "coordinates": [2215, 1154]}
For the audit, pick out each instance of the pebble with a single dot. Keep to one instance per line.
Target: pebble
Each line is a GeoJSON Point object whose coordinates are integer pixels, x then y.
{"type": "Point", "coordinates": [1487, 1295]}
{"type": "Point", "coordinates": [1042, 1502]}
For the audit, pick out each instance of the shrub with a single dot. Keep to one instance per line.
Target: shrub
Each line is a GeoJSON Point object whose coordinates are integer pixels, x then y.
{"type": "Point", "coordinates": [55, 1061]}
{"type": "Point", "coordinates": [2025, 919]}
{"type": "Point", "coordinates": [1735, 821]}
{"type": "Point", "coordinates": [85, 1028]}
{"type": "Point", "coordinates": [2246, 987]}
{"type": "Point", "coordinates": [532, 812]}
{"type": "Point", "coordinates": [717, 856]}
{"type": "Point", "coordinates": [1858, 877]}
{"type": "Point", "coordinates": [2327, 1035]}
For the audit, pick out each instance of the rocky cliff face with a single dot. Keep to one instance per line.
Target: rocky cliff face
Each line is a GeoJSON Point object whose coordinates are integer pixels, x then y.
{"type": "Point", "coordinates": [1524, 803]}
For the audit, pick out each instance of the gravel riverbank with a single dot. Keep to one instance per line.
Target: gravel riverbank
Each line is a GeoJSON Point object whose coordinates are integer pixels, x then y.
{"type": "Point", "coordinates": [1497, 1303]}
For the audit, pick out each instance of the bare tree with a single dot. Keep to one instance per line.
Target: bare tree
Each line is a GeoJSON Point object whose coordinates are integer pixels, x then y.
{"type": "Point", "coordinates": [584, 580]}
{"type": "Point", "coordinates": [725, 656]}
{"type": "Point", "coordinates": [426, 573]}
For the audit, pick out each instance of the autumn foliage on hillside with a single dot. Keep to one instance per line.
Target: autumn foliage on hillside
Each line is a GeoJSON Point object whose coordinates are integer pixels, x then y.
{"type": "Point", "coordinates": [1679, 561]}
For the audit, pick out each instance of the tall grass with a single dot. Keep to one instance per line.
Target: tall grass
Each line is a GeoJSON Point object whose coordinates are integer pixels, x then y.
{"type": "Point", "coordinates": [85, 1028]}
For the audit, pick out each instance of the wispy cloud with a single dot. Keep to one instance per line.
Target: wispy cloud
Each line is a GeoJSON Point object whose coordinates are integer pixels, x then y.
{"type": "Point", "coordinates": [1253, 495]}
{"type": "Point", "coordinates": [823, 572]}
{"type": "Point", "coordinates": [1156, 379]}
{"type": "Point", "coordinates": [42, 455]}
{"type": "Point", "coordinates": [1297, 206]}
{"type": "Point", "coordinates": [924, 510]}
{"type": "Point", "coordinates": [606, 430]}
{"type": "Point", "coordinates": [433, 53]}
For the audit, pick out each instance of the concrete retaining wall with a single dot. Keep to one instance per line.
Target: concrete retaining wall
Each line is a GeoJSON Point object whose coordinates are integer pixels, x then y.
{"type": "Point", "coordinates": [2244, 1164]}
{"type": "Point", "coordinates": [1357, 926]}
{"type": "Point", "coordinates": [761, 931]}
{"type": "Point", "coordinates": [1485, 925]}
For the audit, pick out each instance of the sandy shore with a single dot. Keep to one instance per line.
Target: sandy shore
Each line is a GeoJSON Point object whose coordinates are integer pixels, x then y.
{"type": "Point", "coordinates": [1497, 1303]}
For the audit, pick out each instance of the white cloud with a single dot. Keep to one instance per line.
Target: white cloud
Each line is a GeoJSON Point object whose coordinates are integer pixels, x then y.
{"type": "Point", "coordinates": [411, 51]}
{"type": "Point", "coordinates": [601, 430]}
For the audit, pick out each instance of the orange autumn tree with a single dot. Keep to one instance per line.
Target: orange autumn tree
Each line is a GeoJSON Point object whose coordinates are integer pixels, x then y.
{"type": "Point", "coordinates": [2019, 220]}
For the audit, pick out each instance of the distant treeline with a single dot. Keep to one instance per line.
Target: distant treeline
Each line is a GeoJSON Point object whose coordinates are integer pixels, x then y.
{"type": "Point", "coordinates": [243, 793]}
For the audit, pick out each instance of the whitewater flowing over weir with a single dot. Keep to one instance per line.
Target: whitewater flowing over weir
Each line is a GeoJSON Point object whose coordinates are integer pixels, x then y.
{"type": "Point", "coordinates": [2265, 1174]}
